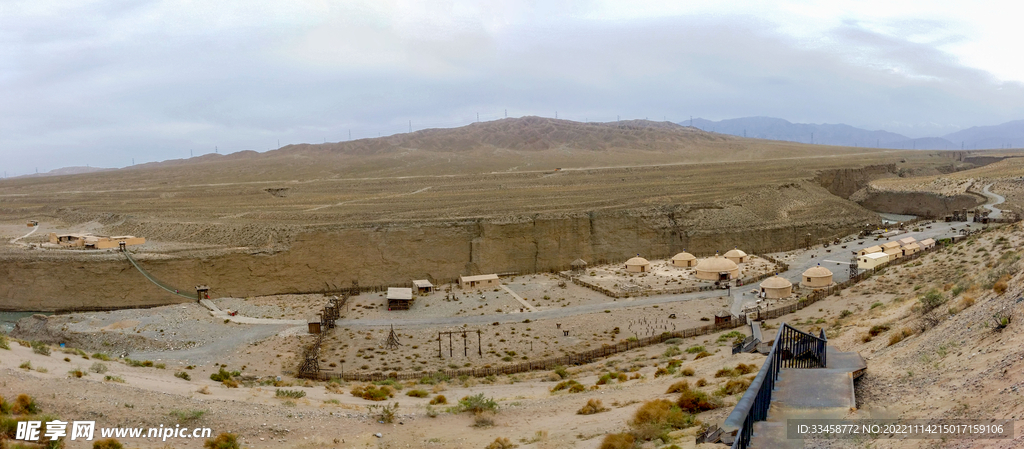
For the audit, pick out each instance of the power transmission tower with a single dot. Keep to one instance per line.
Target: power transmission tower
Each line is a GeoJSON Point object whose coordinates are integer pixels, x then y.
{"type": "Point", "coordinates": [392, 342]}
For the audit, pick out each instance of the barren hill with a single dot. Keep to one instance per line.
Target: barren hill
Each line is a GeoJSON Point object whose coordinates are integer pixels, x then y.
{"type": "Point", "coordinates": [524, 195]}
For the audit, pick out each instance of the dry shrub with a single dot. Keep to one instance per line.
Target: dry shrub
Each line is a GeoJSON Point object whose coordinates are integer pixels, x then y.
{"type": "Point", "coordinates": [204, 390]}
{"type": "Point", "coordinates": [332, 387]}
{"type": "Point", "coordinates": [223, 440]}
{"type": "Point", "coordinates": [485, 419]}
{"type": "Point", "coordinates": [726, 372]}
{"type": "Point", "coordinates": [899, 336]}
{"type": "Point", "coordinates": [866, 338]}
{"type": "Point", "coordinates": [635, 376]}
{"type": "Point", "coordinates": [733, 386]}
{"type": "Point", "coordinates": [878, 329]}
{"type": "Point", "coordinates": [678, 387]}
{"type": "Point", "coordinates": [660, 372]}
{"type": "Point", "coordinates": [696, 401]}
{"type": "Point", "coordinates": [967, 301]}
{"type": "Point", "coordinates": [439, 399]}
{"type": "Point", "coordinates": [417, 393]}
{"type": "Point", "coordinates": [701, 355]}
{"type": "Point", "coordinates": [109, 443]}
{"type": "Point", "coordinates": [593, 406]}
{"type": "Point", "coordinates": [501, 443]}
{"type": "Point", "coordinates": [617, 441]}
{"type": "Point", "coordinates": [655, 418]}
{"type": "Point", "coordinates": [230, 383]}
{"type": "Point", "coordinates": [701, 382]}
{"type": "Point", "coordinates": [743, 368]}
{"type": "Point", "coordinates": [687, 372]}
{"type": "Point", "coordinates": [373, 392]}
{"type": "Point", "coordinates": [1000, 286]}
{"type": "Point", "coordinates": [24, 405]}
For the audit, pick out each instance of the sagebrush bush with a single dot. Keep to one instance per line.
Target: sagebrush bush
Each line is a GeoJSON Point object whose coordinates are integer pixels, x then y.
{"type": "Point", "coordinates": [701, 355]}
{"type": "Point", "coordinates": [617, 441]}
{"type": "Point", "coordinates": [733, 386]}
{"type": "Point", "coordinates": [438, 400]}
{"type": "Point", "coordinates": [222, 441]}
{"type": "Point", "coordinates": [182, 375]}
{"type": "Point", "coordinates": [687, 372]}
{"type": "Point", "coordinates": [591, 407]}
{"type": "Point", "coordinates": [477, 404]}
{"type": "Point", "coordinates": [696, 401]}
{"type": "Point", "coordinates": [417, 393]}
{"type": "Point", "coordinates": [109, 443]}
{"type": "Point", "coordinates": [24, 405]}
{"type": "Point", "coordinates": [373, 392]}
{"type": "Point", "coordinates": [98, 368]}
{"type": "Point", "coordinates": [501, 443]}
{"type": "Point", "coordinates": [294, 394]}
{"type": "Point", "coordinates": [678, 387]}
{"type": "Point", "coordinates": [39, 347]}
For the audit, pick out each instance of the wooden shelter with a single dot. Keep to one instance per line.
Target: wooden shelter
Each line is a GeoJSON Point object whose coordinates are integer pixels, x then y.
{"type": "Point", "coordinates": [578, 266]}
{"type": "Point", "coordinates": [423, 286]}
{"type": "Point", "coordinates": [480, 281]}
{"type": "Point", "coordinates": [399, 298]}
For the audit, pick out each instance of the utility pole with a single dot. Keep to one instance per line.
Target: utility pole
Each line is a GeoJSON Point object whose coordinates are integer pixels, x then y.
{"type": "Point", "coordinates": [812, 138]}
{"type": "Point", "coordinates": [279, 143]}
{"type": "Point", "coordinates": [506, 113]}
{"type": "Point", "coordinates": [350, 134]}
{"type": "Point", "coordinates": [556, 115]}
{"type": "Point", "coordinates": [410, 125]}
{"type": "Point", "coordinates": [216, 150]}
{"type": "Point", "coordinates": [691, 121]}
{"type": "Point", "coordinates": [190, 153]}
{"type": "Point", "coordinates": [478, 117]}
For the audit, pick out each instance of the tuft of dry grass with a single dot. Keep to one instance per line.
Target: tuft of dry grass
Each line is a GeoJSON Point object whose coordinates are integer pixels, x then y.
{"type": "Point", "coordinates": [696, 401]}
{"type": "Point", "coordinates": [678, 387]}
{"type": "Point", "coordinates": [592, 406]}
{"type": "Point", "coordinates": [899, 336]}
{"type": "Point", "coordinates": [617, 441]}
{"type": "Point", "coordinates": [439, 399]}
{"type": "Point", "coordinates": [501, 443]}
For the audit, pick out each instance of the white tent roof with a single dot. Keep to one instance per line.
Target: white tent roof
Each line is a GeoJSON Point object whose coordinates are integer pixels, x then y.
{"type": "Point", "coordinates": [422, 283]}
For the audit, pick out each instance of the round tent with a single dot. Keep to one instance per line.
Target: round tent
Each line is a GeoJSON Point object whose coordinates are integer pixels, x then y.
{"type": "Point", "coordinates": [638, 265]}
{"type": "Point", "coordinates": [776, 287]}
{"type": "Point", "coordinates": [717, 268]}
{"type": "Point", "coordinates": [737, 256]}
{"type": "Point", "coordinates": [684, 259]}
{"type": "Point", "coordinates": [816, 277]}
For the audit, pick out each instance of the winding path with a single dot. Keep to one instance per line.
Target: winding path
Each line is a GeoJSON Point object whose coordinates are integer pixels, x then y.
{"type": "Point", "coordinates": [33, 231]}
{"type": "Point", "coordinates": [994, 199]}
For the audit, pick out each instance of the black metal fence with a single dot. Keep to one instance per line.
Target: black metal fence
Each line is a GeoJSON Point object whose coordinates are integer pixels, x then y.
{"type": "Point", "coordinates": [792, 349]}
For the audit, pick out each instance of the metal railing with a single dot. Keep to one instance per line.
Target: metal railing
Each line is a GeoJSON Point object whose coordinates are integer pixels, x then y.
{"type": "Point", "coordinates": [792, 349]}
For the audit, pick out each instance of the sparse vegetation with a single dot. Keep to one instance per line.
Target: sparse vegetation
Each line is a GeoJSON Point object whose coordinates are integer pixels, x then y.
{"type": "Point", "coordinates": [592, 406]}
{"type": "Point", "coordinates": [98, 368]}
{"type": "Point", "coordinates": [384, 413]}
{"type": "Point", "coordinates": [617, 441]}
{"type": "Point", "coordinates": [476, 404]}
{"type": "Point", "coordinates": [439, 400]}
{"type": "Point", "coordinates": [39, 347]}
{"type": "Point", "coordinates": [373, 392]}
{"type": "Point", "coordinates": [501, 443]}
{"type": "Point", "coordinates": [417, 393]}
{"type": "Point", "coordinates": [696, 401]}
{"type": "Point", "coordinates": [678, 387]}
{"type": "Point", "coordinates": [108, 443]}
{"type": "Point", "coordinates": [182, 375]}
{"type": "Point", "coordinates": [187, 416]}
{"type": "Point", "coordinates": [222, 441]}
{"type": "Point", "coordinates": [294, 394]}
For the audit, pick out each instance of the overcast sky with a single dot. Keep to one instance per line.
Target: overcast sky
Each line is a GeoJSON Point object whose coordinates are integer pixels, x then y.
{"type": "Point", "coordinates": [99, 83]}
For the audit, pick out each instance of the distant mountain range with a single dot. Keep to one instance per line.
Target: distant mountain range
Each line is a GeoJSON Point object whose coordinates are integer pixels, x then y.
{"type": "Point", "coordinates": [66, 171]}
{"type": "Point", "coordinates": [1006, 135]}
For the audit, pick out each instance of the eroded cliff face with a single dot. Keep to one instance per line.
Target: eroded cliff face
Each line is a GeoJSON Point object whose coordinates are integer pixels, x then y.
{"type": "Point", "coordinates": [855, 185]}
{"type": "Point", "coordinates": [772, 219]}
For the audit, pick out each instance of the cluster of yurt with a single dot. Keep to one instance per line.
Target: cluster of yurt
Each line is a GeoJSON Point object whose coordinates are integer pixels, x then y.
{"type": "Point", "coordinates": [717, 268]}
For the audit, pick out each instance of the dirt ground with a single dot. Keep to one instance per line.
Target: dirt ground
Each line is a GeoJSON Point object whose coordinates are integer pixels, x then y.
{"type": "Point", "coordinates": [959, 366]}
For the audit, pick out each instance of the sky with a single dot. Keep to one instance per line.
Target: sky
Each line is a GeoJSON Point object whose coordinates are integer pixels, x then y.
{"type": "Point", "coordinates": [106, 83]}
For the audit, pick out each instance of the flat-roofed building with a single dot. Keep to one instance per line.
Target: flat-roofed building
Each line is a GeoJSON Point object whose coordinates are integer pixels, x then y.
{"type": "Point", "coordinates": [870, 249]}
{"type": "Point", "coordinates": [871, 260]}
{"type": "Point", "coordinates": [399, 298]}
{"type": "Point", "coordinates": [479, 281]}
{"type": "Point", "coordinates": [423, 286]}
{"type": "Point", "coordinates": [927, 244]}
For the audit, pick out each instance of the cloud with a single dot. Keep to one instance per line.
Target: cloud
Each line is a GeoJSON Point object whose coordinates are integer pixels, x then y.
{"type": "Point", "coordinates": [103, 82]}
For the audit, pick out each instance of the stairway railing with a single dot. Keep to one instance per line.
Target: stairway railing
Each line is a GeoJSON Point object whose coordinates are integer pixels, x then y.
{"type": "Point", "coordinates": [792, 348]}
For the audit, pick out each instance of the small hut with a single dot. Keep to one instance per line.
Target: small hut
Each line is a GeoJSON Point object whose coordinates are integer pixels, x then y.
{"type": "Point", "coordinates": [723, 317]}
{"type": "Point", "coordinates": [776, 287]}
{"type": "Point", "coordinates": [684, 260]}
{"type": "Point", "coordinates": [638, 265]}
{"type": "Point", "coordinates": [479, 281]}
{"type": "Point", "coordinates": [423, 286]}
{"type": "Point", "coordinates": [578, 266]}
{"type": "Point", "coordinates": [399, 298]}
{"type": "Point", "coordinates": [870, 250]}
{"type": "Point", "coordinates": [871, 260]}
{"type": "Point", "coordinates": [927, 243]}
{"type": "Point", "coordinates": [717, 268]}
{"type": "Point", "coordinates": [737, 256]}
{"type": "Point", "coordinates": [911, 249]}
{"type": "Point", "coordinates": [816, 277]}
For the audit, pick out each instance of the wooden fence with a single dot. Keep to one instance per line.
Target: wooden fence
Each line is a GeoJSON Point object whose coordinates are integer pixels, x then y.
{"type": "Point", "coordinates": [622, 346]}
